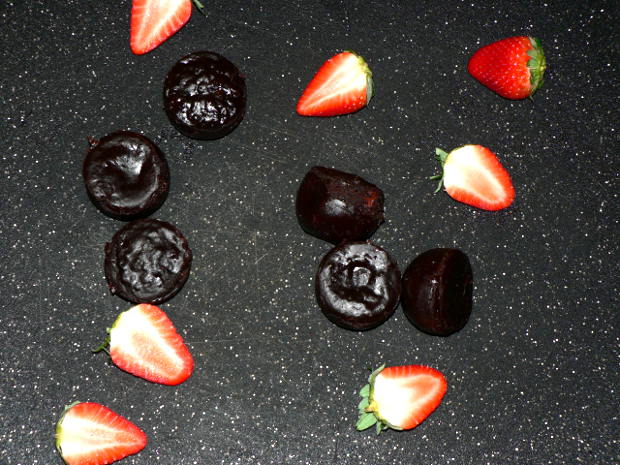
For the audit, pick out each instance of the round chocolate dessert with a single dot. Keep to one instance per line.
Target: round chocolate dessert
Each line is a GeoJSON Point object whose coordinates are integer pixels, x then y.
{"type": "Point", "coordinates": [336, 206]}
{"type": "Point", "coordinates": [437, 291]}
{"type": "Point", "coordinates": [357, 285]}
{"type": "Point", "coordinates": [204, 95]}
{"type": "Point", "coordinates": [126, 175]}
{"type": "Point", "coordinates": [147, 261]}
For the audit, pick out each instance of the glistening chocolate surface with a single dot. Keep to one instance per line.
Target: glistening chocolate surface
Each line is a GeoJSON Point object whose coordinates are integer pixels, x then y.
{"type": "Point", "coordinates": [357, 285]}
{"type": "Point", "coordinates": [204, 95]}
{"type": "Point", "coordinates": [437, 289]}
{"type": "Point", "coordinates": [126, 175]}
{"type": "Point", "coordinates": [147, 261]}
{"type": "Point", "coordinates": [538, 357]}
{"type": "Point", "coordinates": [334, 205]}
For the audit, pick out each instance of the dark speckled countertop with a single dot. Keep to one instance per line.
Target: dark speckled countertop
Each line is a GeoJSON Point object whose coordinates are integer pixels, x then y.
{"type": "Point", "coordinates": [533, 378]}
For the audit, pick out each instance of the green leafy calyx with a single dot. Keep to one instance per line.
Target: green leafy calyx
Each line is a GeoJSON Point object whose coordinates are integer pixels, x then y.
{"type": "Point", "coordinates": [368, 407]}
{"type": "Point", "coordinates": [441, 155]}
{"type": "Point", "coordinates": [536, 64]}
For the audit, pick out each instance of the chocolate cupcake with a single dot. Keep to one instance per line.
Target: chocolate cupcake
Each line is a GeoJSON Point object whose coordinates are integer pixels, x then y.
{"type": "Point", "coordinates": [126, 175]}
{"type": "Point", "coordinates": [336, 206]}
{"type": "Point", "coordinates": [358, 285]}
{"type": "Point", "coordinates": [147, 261]}
{"type": "Point", "coordinates": [204, 95]}
{"type": "Point", "coordinates": [437, 290]}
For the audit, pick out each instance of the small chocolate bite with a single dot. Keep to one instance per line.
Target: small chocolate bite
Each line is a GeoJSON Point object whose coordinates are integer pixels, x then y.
{"type": "Point", "coordinates": [147, 261]}
{"type": "Point", "coordinates": [336, 206]}
{"type": "Point", "coordinates": [126, 175]}
{"type": "Point", "coordinates": [204, 95]}
{"type": "Point", "coordinates": [357, 285]}
{"type": "Point", "coordinates": [437, 291]}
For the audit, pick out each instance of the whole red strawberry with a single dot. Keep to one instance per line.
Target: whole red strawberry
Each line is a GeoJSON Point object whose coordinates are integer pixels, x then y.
{"type": "Point", "coordinates": [512, 67]}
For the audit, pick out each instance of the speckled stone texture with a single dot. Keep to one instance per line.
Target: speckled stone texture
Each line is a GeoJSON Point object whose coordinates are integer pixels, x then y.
{"type": "Point", "coordinates": [533, 378]}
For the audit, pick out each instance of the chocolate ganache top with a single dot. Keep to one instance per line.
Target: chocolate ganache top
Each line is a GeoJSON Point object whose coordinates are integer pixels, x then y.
{"type": "Point", "coordinates": [126, 175]}
{"type": "Point", "coordinates": [204, 95]}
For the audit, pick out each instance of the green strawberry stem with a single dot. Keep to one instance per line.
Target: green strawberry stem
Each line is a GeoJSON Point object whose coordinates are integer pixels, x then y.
{"type": "Point", "coordinates": [442, 155]}
{"type": "Point", "coordinates": [104, 345]}
{"type": "Point", "coordinates": [200, 7]}
{"type": "Point", "coordinates": [537, 65]}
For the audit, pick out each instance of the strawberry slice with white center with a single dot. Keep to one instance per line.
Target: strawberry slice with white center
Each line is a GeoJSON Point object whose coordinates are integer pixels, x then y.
{"type": "Point", "coordinates": [472, 174]}
{"type": "Point", "coordinates": [91, 434]}
{"type": "Point", "coordinates": [400, 397]}
{"type": "Point", "coordinates": [155, 21]}
{"type": "Point", "coordinates": [342, 85]}
{"type": "Point", "coordinates": [144, 342]}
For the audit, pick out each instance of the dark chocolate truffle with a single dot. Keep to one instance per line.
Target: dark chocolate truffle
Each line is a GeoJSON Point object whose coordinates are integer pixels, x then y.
{"type": "Point", "coordinates": [357, 285]}
{"type": "Point", "coordinates": [204, 95]}
{"type": "Point", "coordinates": [437, 291]}
{"type": "Point", "coordinates": [147, 261]}
{"type": "Point", "coordinates": [336, 206]}
{"type": "Point", "coordinates": [126, 175]}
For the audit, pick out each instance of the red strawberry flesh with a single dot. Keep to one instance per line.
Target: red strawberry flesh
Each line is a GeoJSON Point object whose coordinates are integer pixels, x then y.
{"type": "Point", "coordinates": [401, 397]}
{"type": "Point", "coordinates": [154, 21]}
{"type": "Point", "coordinates": [472, 174]}
{"type": "Point", "coordinates": [91, 434]}
{"type": "Point", "coordinates": [144, 342]}
{"type": "Point", "coordinates": [342, 85]}
{"type": "Point", "coordinates": [406, 395]}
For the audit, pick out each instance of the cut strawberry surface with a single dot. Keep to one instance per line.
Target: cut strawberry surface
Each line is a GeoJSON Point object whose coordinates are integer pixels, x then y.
{"type": "Point", "coordinates": [400, 397]}
{"type": "Point", "coordinates": [472, 174]}
{"type": "Point", "coordinates": [342, 85]}
{"type": "Point", "coordinates": [511, 67]}
{"type": "Point", "coordinates": [155, 21]}
{"type": "Point", "coordinates": [144, 342]}
{"type": "Point", "coordinates": [91, 434]}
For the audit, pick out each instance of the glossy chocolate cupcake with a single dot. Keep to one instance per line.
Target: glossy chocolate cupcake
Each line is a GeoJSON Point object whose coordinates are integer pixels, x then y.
{"type": "Point", "coordinates": [126, 175]}
{"type": "Point", "coordinates": [147, 261]}
{"type": "Point", "coordinates": [204, 95]}
{"type": "Point", "coordinates": [336, 206]}
{"type": "Point", "coordinates": [357, 285]}
{"type": "Point", "coordinates": [437, 291]}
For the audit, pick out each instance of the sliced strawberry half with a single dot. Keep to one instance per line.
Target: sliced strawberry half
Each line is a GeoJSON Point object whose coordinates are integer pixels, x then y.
{"type": "Point", "coordinates": [144, 342]}
{"type": "Point", "coordinates": [155, 21]}
{"type": "Point", "coordinates": [342, 85]}
{"type": "Point", "coordinates": [91, 434]}
{"type": "Point", "coordinates": [472, 174]}
{"type": "Point", "coordinates": [400, 397]}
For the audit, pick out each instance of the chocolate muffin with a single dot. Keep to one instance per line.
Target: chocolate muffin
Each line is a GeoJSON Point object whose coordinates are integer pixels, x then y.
{"type": "Point", "coordinates": [147, 261]}
{"type": "Point", "coordinates": [357, 285]}
{"type": "Point", "coordinates": [336, 206]}
{"type": "Point", "coordinates": [126, 175]}
{"type": "Point", "coordinates": [437, 289]}
{"type": "Point", "coordinates": [204, 95]}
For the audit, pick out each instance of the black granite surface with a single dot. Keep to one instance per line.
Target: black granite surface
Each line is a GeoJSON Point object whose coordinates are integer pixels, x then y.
{"type": "Point", "coordinates": [533, 378]}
